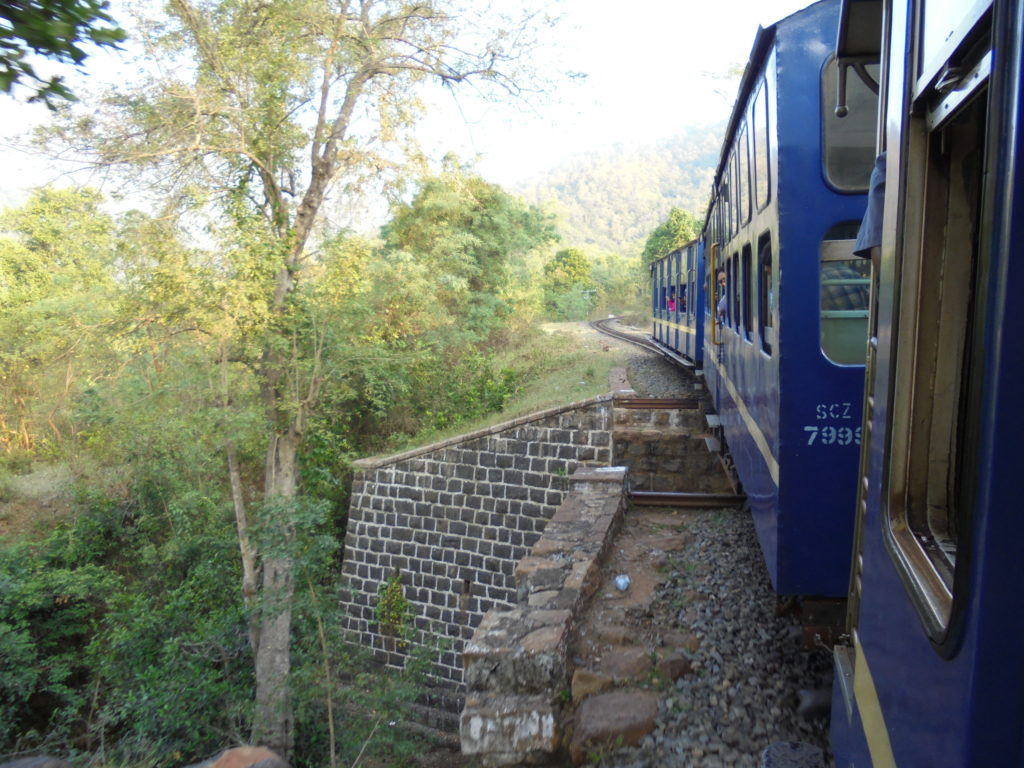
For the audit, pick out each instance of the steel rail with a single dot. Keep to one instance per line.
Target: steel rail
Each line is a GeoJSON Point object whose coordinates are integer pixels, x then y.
{"type": "Point", "coordinates": [645, 342]}
{"type": "Point", "coordinates": [679, 499]}
{"type": "Point", "coordinates": [601, 327]}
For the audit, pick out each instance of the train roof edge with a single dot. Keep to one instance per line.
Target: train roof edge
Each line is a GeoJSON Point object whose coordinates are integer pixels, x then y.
{"type": "Point", "coordinates": [762, 44]}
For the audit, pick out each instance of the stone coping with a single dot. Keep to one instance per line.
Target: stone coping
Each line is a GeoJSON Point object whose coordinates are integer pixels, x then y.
{"type": "Point", "coordinates": [375, 462]}
{"type": "Point", "coordinates": [516, 664]}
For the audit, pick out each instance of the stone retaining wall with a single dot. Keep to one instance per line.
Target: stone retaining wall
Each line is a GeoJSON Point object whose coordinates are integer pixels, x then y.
{"type": "Point", "coordinates": [517, 664]}
{"type": "Point", "coordinates": [665, 450]}
{"type": "Point", "coordinates": [453, 519]}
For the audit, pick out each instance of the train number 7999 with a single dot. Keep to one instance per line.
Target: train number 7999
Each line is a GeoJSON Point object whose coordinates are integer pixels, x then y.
{"type": "Point", "coordinates": [832, 435]}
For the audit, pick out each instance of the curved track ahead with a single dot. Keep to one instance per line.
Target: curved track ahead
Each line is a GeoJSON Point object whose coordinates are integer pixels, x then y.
{"type": "Point", "coordinates": [644, 342]}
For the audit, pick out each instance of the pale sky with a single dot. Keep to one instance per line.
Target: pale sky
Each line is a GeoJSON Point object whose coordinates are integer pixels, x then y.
{"type": "Point", "coordinates": [650, 70]}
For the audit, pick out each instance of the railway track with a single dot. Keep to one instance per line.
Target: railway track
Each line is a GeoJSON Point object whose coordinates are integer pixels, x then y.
{"type": "Point", "coordinates": [643, 342]}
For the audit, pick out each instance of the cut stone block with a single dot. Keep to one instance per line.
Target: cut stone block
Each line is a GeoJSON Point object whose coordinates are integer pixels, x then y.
{"type": "Point", "coordinates": [508, 729]}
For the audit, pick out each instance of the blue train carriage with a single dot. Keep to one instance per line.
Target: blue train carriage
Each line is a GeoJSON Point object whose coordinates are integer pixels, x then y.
{"type": "Point", "coordinates": [677, 303]}
{"type": "Point", "coordinates": [785, 347]}
{"type": "Point", "coordinates": [933, 674]}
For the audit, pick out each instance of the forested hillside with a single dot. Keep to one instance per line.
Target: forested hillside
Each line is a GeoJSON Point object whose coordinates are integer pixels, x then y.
{"type": "Point", "coordinates": [613, 198]}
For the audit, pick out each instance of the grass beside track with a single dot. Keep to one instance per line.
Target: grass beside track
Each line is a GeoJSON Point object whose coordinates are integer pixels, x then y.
{"type": "Point", "coordinates": [560, 363]}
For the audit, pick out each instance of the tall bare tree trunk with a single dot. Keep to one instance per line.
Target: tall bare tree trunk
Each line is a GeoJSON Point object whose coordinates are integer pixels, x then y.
{"type": "Point", "coordinates": [272, 725]}
{"type": "Point", "coordinates": [247, 550]}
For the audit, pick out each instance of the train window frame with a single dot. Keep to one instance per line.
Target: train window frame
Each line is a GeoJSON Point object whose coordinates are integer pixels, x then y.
{"type": "Point", "coordinates": [691, 266]}
{"type": "Point", "coordinates": [936, 50]}
{"type": "Point", "coordinates": [730, 286]}
{"type": "Point", "coordinates": [848, 170]}
{"type": "Point", "coordinates": [744, 191]}
{"type": "Point", "coordinates": [843, 342]}
{"type": "Point", "coordinates": [761, 156]}
{"type": "Point", "coordinates": [734, 206]}
{"type": "Point", "coordinates": [935, 379]}
{"type": "Point", "coordinates": [746, 277]}
{"type": "Point", "coordinates": [765, 294]}
{"type": "Point", "coordinates": [734, 295]}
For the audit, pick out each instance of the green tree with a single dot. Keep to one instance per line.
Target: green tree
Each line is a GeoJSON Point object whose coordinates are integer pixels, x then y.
{"type": "Point", "coordinates": [56, 297]}
{"type": "Point", "coordinates": [680, 228]}
{"type": "Point", "coordinates": [55, 29]}
{"type": "Point", "coordinates": [467, 232]}
{"type": "Point", "coordinates": [568, 268]}
{"type": "Point", "coordinates": [569, 289]}
{"type": "Point", "coordinates": [284, 101]}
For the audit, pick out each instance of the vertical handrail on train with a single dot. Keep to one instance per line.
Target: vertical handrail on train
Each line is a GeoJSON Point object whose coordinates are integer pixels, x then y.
{"type": "Point", "coordinates": [855, 588]}
{"type": "Point", "coordinates": [714, 305]}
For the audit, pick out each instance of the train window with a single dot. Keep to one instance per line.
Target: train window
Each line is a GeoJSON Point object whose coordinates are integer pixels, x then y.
{"type": "Point", "coordinates": [691, 304]}
{"type": "Point", "coordinates": [845, 290]}
{"type": "Point", "coordinates": [935, 374]}
{"type": "Point", "coordinates": [708, 289]}
{"type": "Point", "coordinates": [734, 291]}
{"type": "Point", "coordinates": [743, 183]}
{"type": "Point", "coordinates": [730, 210]}
{"type": "Point", "coordinates": [746, 291]}
{"type": "Point", "coordinates": [849, 142]}
{"type": "Point", "coordinates": [762, 186]}
{"type": "Point", "coordinates": [729, 283]}
{"type": "Point", "coordinates": [738, 186]}
{"type": "Point", "coordinates": [765, 296]}
{"type": "Point", "coordinates": [944, 25]}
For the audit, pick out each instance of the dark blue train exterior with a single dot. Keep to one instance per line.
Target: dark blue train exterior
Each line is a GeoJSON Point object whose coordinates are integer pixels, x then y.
{"type": "Point", "coordinates": [785, 367]}
{"type": "Point", "coordinates": [933, 671]}
{"type": "Point", "coordinates": [925, 537]}
{"type": "Point", "coordinates": [677, 302]}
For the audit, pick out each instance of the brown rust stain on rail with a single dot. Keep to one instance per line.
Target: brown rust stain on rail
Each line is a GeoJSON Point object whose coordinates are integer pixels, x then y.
{"type": "Point", "coordinates": [668, 499]}
{"type": "Point", "coordinates": [658, 403]}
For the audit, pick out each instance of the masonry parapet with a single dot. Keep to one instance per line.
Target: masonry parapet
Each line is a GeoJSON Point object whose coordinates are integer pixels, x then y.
{"type": "Point", "coordinates": [517, 662]}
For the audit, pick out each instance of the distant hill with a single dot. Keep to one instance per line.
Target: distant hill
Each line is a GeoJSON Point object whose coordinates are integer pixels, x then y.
{"type": "Point", "coordinates": [613, 198]}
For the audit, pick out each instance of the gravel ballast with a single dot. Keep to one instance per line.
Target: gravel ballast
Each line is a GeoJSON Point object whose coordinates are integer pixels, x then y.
{"type": "Point", "coordinates": [754, 683]}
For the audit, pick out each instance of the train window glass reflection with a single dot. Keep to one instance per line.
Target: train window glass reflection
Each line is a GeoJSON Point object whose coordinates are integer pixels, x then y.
{"type": "Point", "coordinates": [935, 375]}
{"type": "Point", "coordinates": [759, 126]}
{"type": "Point", "coordinates": [765, 297]}
{"type": "Point", "coordinates": [849, 142]}
{"type": "Point", "coordinates": [743, 183]}
{"type": "Point", "coordinates": [845, 290]}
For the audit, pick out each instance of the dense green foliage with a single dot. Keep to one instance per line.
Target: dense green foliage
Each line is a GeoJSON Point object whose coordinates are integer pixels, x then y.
{"type": "Point", "coordinates": [467, 230]}
{"type": "Point", "coordinates": [207, 372]}
{"type": "Point", "coordinates": [54, 29]}
{"type": "Point", "coordinates": [124, 630]}
{"type": "Point", "coordinates": [680, 228]}
{"type": "Point", "coordinates": [569, 289]}
{"type": "Point", "coordinates": [253, 120]}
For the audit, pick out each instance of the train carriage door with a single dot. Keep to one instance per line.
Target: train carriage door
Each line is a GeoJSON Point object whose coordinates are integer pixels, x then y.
{"type": "Point", "coordinates": [941, 272]}
{"type": "Point", "coordinates": [938, 150]}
